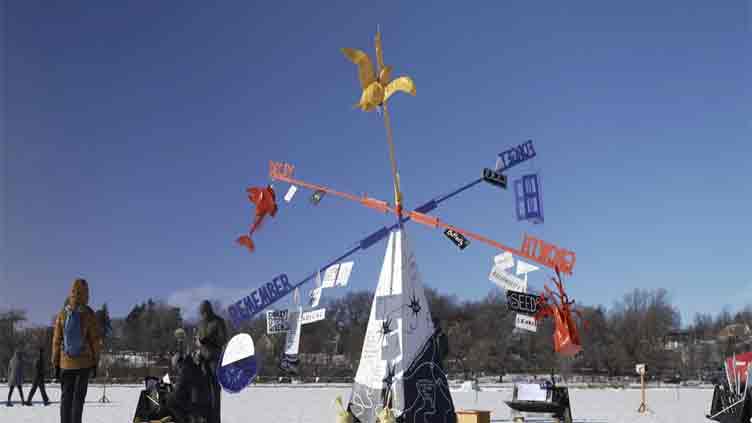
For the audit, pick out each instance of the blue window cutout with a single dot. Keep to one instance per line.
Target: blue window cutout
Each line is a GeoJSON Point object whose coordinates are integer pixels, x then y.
{"type": "Point", "coordinates": [527, 195]}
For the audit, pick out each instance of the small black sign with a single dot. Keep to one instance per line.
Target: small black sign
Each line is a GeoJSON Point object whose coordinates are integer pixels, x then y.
{"type": "Point", "coordinates": [522, 302]}
{"type": "Point", "coordinates": [317, 196]}
{"type": "Point", "coordinates": [457, 238]}
{"type": "Point", "coordinates": [495, 178]}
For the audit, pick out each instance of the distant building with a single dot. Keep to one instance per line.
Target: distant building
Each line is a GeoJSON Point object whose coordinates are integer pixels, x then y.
{"type": "Point", "coordinates": [133, 359]}
{"type": "Point", "coordinates": [324, 359]}
{"type": "Point", "coordinates": [676, 340]}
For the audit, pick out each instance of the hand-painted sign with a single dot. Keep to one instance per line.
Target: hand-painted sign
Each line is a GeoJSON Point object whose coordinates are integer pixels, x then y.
{"type": "Point", "coordinates": [506, 280]}
{"type": "Point", "coordinates": [457, 238]}
{"type": "Point", "coordinates": [494, 178]}
{"type": "Point", "coordinates": [548, 254]}
{"type": "Point", "coordinates": [526, 323]}
{"type": "Point", "coordinates": [330, 276]}
{"type": "Point", "coordinates": [317, 196]}
{"type": "Point", "coordinates": [290, 192]}
{"type": "Point", "coordinates": [313, 316]}
{"type": "Point", "coordinates": [515, 155]}
{"type": "Point", "coordinates": [314, 296]}
{"type": "Point", "coordinates": [337, 275]}
{"type": "Point", "coordinates": [504, 260]}
{"type": "Point", "coordinates": [277, 321]}
{"type": "Point", "coordinates": [523, 268]}
{"type": "Point", "coordinates": [281, 321]}
{"type": "Point", "coordinates": [528, 198]}
{"type": "Point", "coordinates": [522, 302]}
{"type": "Point", "coordinates": [343, 275]}
{"type": "Point", "coordinates": [259, 299]}
{"type": "Point", "coordinates": [238, 365]}
{"type": "Point", "coordinates": [280, 169]}
{"type": "Point", "coordinates": [640, 369]}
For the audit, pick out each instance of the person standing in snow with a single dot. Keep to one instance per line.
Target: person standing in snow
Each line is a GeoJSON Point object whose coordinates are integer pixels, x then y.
{"type": "Point", "coordinates": [211, 338]}
{"type": "Point", "coordinates": [15, 376]}
{"type": "Point", "coordinates": [39, 374]}
{"type": "Point", "coordinates": [76, 345]}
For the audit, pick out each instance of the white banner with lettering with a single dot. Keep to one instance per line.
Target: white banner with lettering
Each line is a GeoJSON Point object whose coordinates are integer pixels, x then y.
{"type": "Point", "coordinates": [506, 280]}
{"type": "Point", "coordinates": [313, 316]}
{"type": "Point", "coordinates": [526, 323]}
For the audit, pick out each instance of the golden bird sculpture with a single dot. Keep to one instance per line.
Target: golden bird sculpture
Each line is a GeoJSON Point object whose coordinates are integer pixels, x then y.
{"type": "Point", "coordinates": [376, 86]}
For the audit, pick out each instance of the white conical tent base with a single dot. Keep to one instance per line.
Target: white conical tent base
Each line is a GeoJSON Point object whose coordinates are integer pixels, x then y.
{"type": "Point", "coordinates": [400, 353]}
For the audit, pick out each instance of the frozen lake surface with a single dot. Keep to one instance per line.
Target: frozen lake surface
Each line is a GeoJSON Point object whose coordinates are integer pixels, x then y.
{"type": "Point", "coordinates": [315, 404]}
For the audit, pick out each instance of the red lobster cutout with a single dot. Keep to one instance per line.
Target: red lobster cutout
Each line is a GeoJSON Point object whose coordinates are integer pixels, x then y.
{"type": "Point", "coordinates": [266, 203]}
{"type": "Point", "coordinates": [566, 337]}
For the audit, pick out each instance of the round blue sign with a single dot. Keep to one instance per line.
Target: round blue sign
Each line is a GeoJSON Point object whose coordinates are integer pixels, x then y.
{"type": "Point", "coordinates": [237, 367]}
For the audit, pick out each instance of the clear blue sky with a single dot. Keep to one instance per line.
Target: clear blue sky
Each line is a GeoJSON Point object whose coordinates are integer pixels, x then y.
{"type": "Point", "coordinates": [133, 129]}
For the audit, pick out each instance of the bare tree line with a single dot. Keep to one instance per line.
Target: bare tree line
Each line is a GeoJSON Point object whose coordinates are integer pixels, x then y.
{"type": "Point", "coordinates": [482, 338]}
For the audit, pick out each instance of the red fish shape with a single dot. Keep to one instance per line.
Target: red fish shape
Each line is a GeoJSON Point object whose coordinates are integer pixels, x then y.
{"type": "Point", "coordinates": [266, 204]}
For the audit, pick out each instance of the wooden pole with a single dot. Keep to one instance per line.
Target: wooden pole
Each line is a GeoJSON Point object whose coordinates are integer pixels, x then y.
{"type": "Point", "coordinates": [643, 407]}
{"type": "Point", "coordinates": [393, 160]}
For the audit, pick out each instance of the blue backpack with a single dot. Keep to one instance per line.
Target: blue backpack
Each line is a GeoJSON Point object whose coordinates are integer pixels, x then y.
{"type": "Point", "coordinates": [72, 343]}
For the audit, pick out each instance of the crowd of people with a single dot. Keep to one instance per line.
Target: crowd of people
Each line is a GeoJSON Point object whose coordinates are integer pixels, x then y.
{"type": "Point", "coordinates": [75, 351]}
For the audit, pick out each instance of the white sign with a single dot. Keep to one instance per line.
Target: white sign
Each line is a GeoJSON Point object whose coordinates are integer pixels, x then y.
{"type": "Point", "coordinates": [290, 192]}
{"type": "Point", "coordinates": [276, 321]}
{"type": "Point", "coordinates": [526, 323]}
{"type": "Point", "coordinates": [337, 275]}
{"type": "Point", "coordinates": [313, 316]}
{"type": "Point", "coordinates": [344, 273]}
{"type": "Point", "coordinates": [239, 348]}
{"type": "Point", "coordinates": [330, 276]}
{"type": "Point", "coordinates": [530, 392]}
{"type": "Point", "coordinates": [506, 280]}
{"type": "Point", "coordinates": [640, 369]}
{"type": "Point", "coordinates": [504, 260]}
{"type": "Point", "coordinates": [525, 268]}
{"type": "Point", "coordinates": [314, 297]}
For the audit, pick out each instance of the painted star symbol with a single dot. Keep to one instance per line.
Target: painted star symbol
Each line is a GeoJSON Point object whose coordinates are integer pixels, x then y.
{"type": "Point", "coordinates": [415, 305]}
{"type": "Point", "coordinates": [385, 327]}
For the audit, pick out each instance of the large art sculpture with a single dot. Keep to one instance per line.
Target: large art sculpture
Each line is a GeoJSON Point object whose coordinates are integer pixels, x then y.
{"type": "Point", "coordinates": [400, 373]}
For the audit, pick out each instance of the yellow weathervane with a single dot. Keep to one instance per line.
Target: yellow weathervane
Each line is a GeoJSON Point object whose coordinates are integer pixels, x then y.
{"type": "Point", "coordinates": [377, 88]}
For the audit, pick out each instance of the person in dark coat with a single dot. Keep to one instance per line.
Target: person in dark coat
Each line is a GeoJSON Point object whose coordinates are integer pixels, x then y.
{"type": "Point", "coordinates": [211, 338]}
{"type": "Point", "coordinates": [190, 396]}
{"type": "Point", "coordinates": [15, 376]}
{"type": "Point", "coordinates": [39, 374]}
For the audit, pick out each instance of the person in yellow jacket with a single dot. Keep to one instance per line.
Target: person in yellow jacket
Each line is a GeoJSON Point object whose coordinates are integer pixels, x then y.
{"type": "Point", "coordinates": [76, 345]}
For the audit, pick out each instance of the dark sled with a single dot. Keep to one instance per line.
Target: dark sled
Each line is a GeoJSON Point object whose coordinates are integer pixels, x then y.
{"type": "Point", "coordinates": [152, 405]}
{"type": "Point", "coordinates": [152, 402]}
{"type": "Point", "coordinates": [728, 407]}
{"type": "Point", "coordinates": [556, 402]}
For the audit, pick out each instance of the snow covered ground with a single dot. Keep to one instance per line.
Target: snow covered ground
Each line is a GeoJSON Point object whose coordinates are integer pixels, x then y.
{"type": "Point", "coordinates": [315, 404]}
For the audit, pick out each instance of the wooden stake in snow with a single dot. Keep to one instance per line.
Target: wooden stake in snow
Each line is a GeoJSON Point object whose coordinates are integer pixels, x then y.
{"type": "Point", "coordinates": [641, 371]}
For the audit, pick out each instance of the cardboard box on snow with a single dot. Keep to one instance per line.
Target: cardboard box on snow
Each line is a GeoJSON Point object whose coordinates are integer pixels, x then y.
{"type": "Point", "coordinates": [473, 416]}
